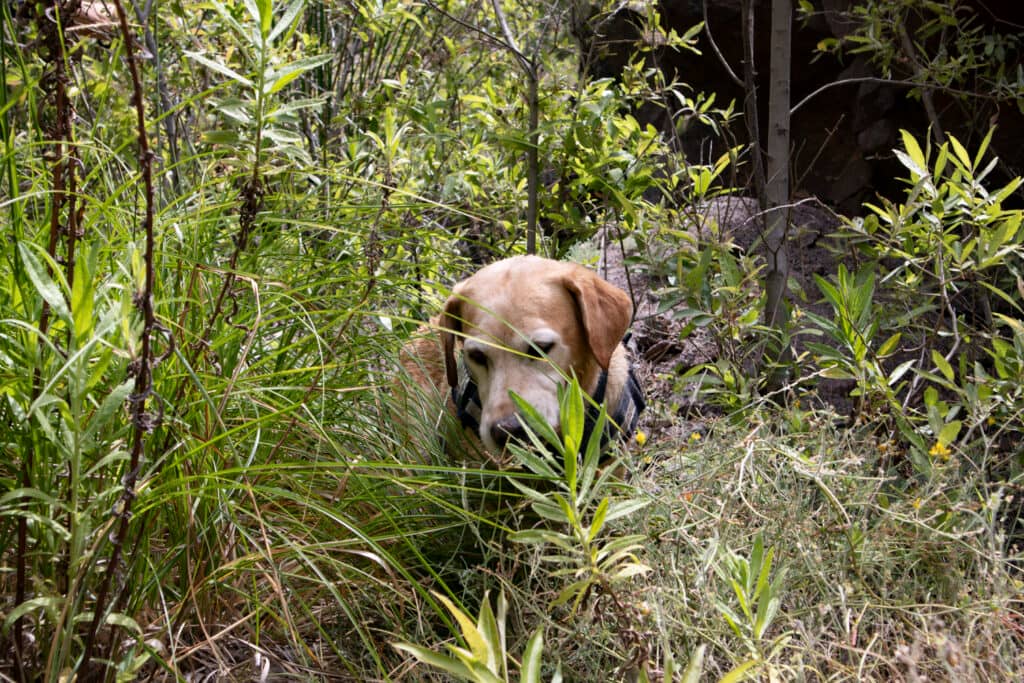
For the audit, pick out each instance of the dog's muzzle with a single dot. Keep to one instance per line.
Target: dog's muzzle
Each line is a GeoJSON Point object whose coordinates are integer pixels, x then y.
{"type": "Point", "coordinates": [622, 420]}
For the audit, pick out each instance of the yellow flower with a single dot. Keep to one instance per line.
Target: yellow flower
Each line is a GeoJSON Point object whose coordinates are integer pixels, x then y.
{"type": "Point", "coordinates": [640, 437]}
{"type": "Point", "coordinates": [940, 450]}
{"type": "Point", "coordinates": [695, 436]}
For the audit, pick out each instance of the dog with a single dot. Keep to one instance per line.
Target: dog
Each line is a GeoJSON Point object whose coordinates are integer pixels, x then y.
{"type": "Point", "coordinates": [524, 325]}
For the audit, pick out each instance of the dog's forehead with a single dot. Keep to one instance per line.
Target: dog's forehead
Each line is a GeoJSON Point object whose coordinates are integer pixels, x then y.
{"type": "Point", "coordinates": [518, 269]}
{"type": "Point", "coordinates": [525, 292]}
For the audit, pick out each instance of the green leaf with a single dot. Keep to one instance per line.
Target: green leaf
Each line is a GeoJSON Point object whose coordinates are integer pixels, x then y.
{"type": "Point", "coordinates": [24, 493]}
{"type": "Point", "coordinates": [124, 621]}
{"type": "Point", "coordinates": [111, 403]}
{"type": "Point", "coordinates": [252, 37]}
{"type": "Point", "coordinates": [221, 137]}
{"type": "Point", "coordinates": [266, 16]}
{"type": "Point", "coordinates": [830, 291]}
{"type": "Point", "coordinates": [48, 604]}
{"type": "Point", "coordinates": [534, 462]}
{"type": "Point", "coordinates": [630, 570]}
{"type": "Point", "coordinates": [41, 280]}
{"type": "Point", "coordinates": [949, 432]}
{"type": "Point", "coordinates": [220, 68]}
{"type": "Point", "coordinates": [82, 293]}
{"type": "Point", "coordinates": [535, 537]}
{"type": "Point", "coordinates": [899, 371]}
{"type": "Point", "coordinates": [740, 672]}
{"type": "Point", "coordinates": [532, 658]}
{"type": "Point", "coordinates": [695, 667]}
{"type": "Point", "coordinates": [592, 457]}
{"type": "Point", "coordinates": [983, 147]}
{"type": "Point", "coordinates": [279, 78]}
{"type": "Point", "coordinates": [494, 648]}
{"type": "Point", "coordinates": [914, 152]}
{"type": "Point", "coordinates": [236, 110]}
{"type": "Point", "coordinates": [764, 567]}
{"type": "Point", "coordinates": [536, 423]}
{"type": "Point", "coordinates": [474, 639]}
{"type": "Point", "coordinates": [624, 508]}
{"type": "Point", "coordinates": [118, 455]}
{"type": "Point", "coordinates": [573, 591]}
{"type": "Point", "coordinates": [597, 523]}
{"type": "Point", "coordinates": [889, 344]}
{"type": "Point", "coordinates": [943, 365]}
{"type": "Point", "coordinates": [961, 153]}
{"type": "Point", "coordinates": [286, 20]}
{"type": "Point", "coordinates": [427, 656]}
{"type": "Point", "coordinates": [572, 420]}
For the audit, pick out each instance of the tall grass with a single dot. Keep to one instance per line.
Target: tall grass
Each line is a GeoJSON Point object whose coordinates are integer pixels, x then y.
{"type": "Point", "coordinates": [281, 519]}
{"type": "Point", "coordinates": [266, 515]}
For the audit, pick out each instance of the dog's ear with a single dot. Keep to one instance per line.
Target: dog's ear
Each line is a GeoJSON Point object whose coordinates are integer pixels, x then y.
{"type": "Point", "coordinates": [606, 311]}
{"type": "Point", "coordinates": [451, 324]}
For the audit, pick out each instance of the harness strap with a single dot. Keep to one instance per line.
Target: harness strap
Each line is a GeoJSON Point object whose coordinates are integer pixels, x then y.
{"type": "Point", "coordinates": [466, 398]}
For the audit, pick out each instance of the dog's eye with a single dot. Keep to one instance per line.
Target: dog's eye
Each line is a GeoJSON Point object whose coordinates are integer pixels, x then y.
{"type": "Point", "coordinates": [476, 357]}
{"type": "Point", "coordinates": [540, 349]}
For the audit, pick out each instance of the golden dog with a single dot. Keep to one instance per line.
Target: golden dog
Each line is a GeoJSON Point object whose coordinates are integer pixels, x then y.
{"type": "Point", "coordinates": [524, 325]}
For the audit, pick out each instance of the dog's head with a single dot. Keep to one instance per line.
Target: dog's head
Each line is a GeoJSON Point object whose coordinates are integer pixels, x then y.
{"type": "Point", "coordinates": [525, 324]}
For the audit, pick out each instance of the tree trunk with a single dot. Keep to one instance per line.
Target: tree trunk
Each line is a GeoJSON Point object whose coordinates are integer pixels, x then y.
{"type": "Point", "coordinates": [777, 176]}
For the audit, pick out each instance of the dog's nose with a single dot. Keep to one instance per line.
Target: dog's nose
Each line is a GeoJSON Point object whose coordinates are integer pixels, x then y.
{"type": "Point", "coordinates": [507, 428]}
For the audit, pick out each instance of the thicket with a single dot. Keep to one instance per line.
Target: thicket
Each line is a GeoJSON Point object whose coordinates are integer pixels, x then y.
{"type": "Point", "coordinates": [221, 220]}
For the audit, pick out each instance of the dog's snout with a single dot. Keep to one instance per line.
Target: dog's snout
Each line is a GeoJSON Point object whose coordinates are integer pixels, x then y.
{"type": "Point", "coordinates": [506, 429]}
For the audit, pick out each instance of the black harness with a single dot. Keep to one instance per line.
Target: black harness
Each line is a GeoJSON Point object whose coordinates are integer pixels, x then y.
{"type": "Point", "coordinates": [622, 419]}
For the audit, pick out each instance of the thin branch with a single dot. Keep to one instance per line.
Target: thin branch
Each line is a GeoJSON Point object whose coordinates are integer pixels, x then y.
{"type": "Point", "coordinates": [487, 35]}
{"type": "Point", "coordinates": [510, 40]}
{"type": "Point", "coordinates": [533, 103]}
{"type": "Point", "coordinates": [885, 81]}
{"type": "Point", "coordinates": [926, 92]}
{"type": "Point", "coordinates": [142, 421]}
{"type": "Point", "coordinates": [529, 67]}
{"type": "Point", "coordinates": [714, 46]}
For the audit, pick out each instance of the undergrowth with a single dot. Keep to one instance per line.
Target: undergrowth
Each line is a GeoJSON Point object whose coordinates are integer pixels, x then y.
{"type": "Point", "coordinates": [208, 468]}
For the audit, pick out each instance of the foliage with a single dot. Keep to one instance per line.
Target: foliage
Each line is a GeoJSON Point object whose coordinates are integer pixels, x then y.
{"type": "Point", "coordinates": [487, 660]}
{"type": "Point", "coordinates": [580, 503]}
{"type": "Point", "coordinates": [952, 294]}
{"type": "Point", "coordinates": [855, 353]}
{"type": "Point", "coordinates": [759, 597]}
{"type": "Point", "coordinates": [323, 171]}
{"type": "Point", "coordinates": [985, 59]}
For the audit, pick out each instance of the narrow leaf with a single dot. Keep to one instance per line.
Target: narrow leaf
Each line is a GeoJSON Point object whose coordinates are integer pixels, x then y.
{"type": "Point", "coordinates": [696, 666]}
{"type": "Point", "coordinates": [914, 151]}
{"type": "Point", "coordinates": [41, 280]}
{"type": "Point", "coordinates": [530, 672]}
{"type": "Point", "coordinates": [82, 300]}
{"type": "Point", "coordinates": [474, 639]}
{"type": "Point", "coordinates": [598, 522]}
{"type": "Point", "coordinates": [943, 365]}
{"type": "Point", "coordinates": [452, 666]}
{"type": "Point", "coordinates": [286, 20]}
{"type": "Point", "coordinates": [222, 69]}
